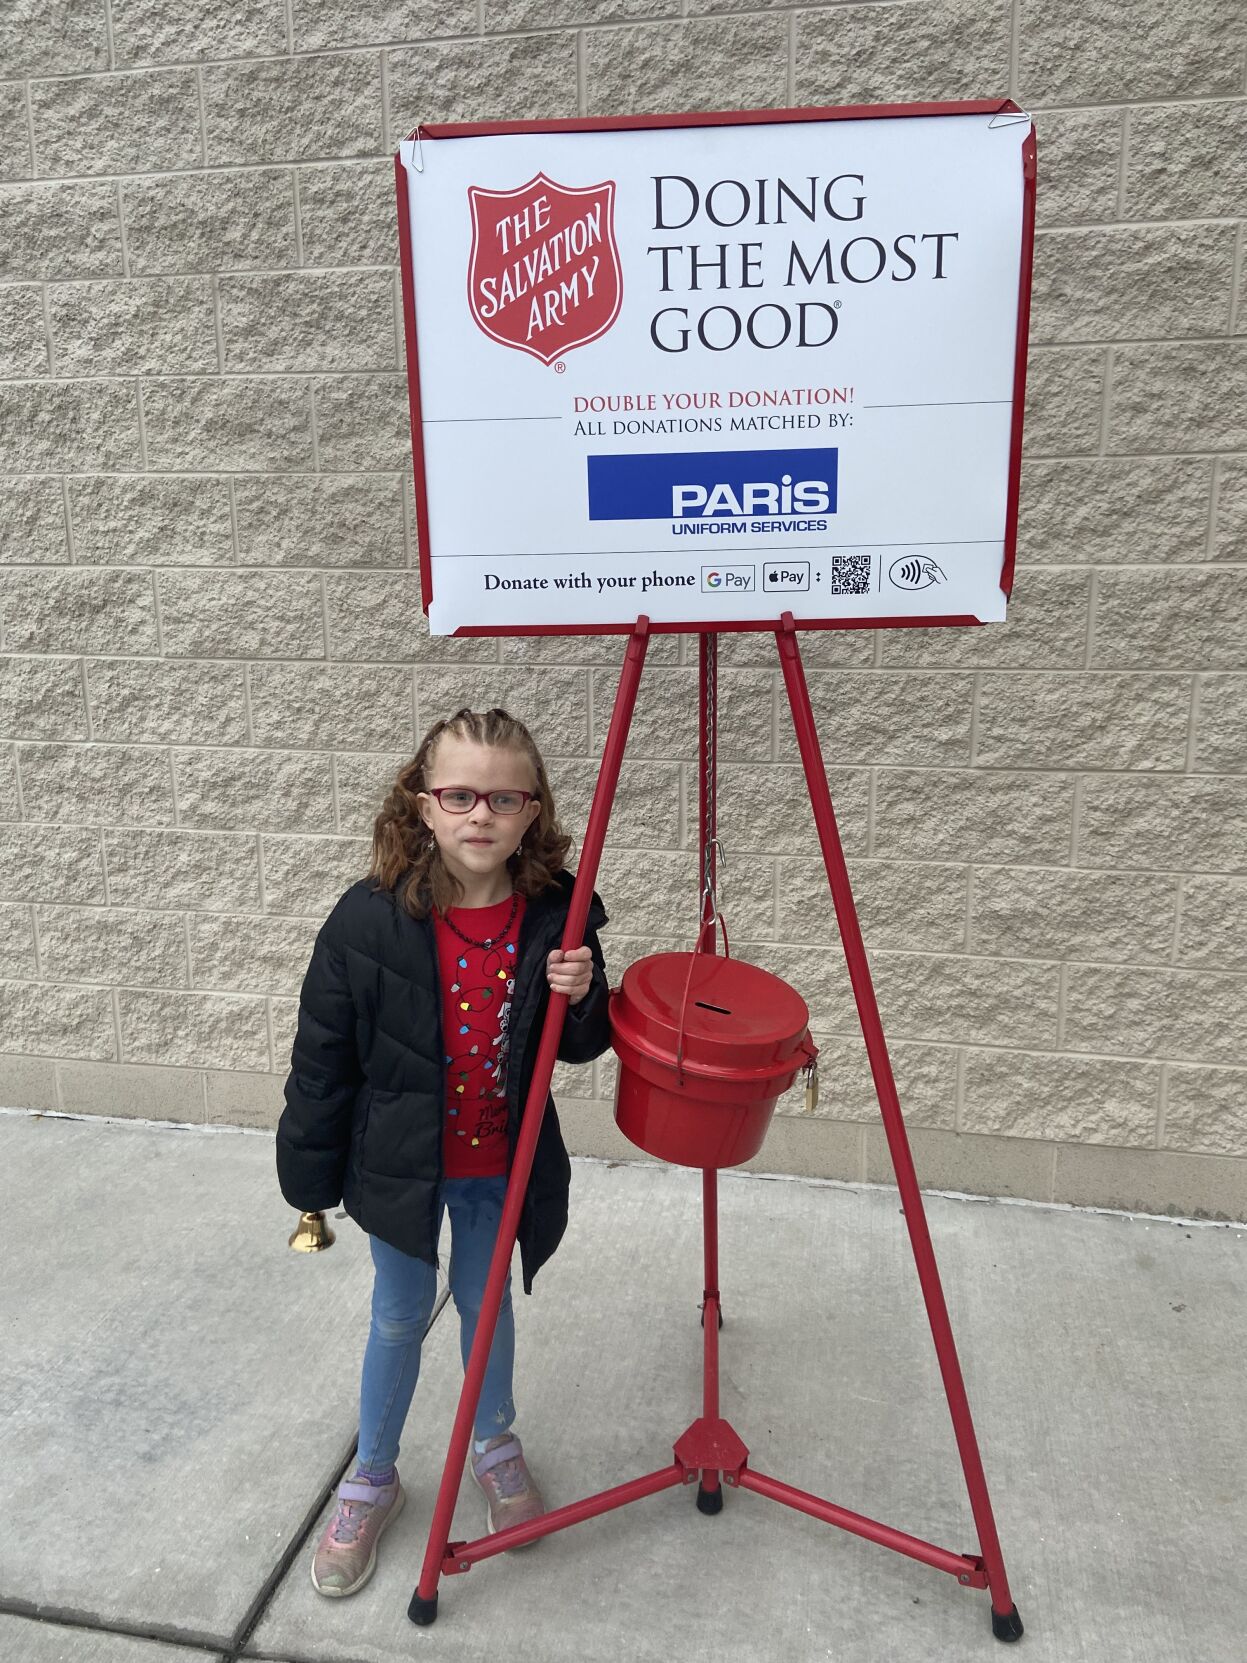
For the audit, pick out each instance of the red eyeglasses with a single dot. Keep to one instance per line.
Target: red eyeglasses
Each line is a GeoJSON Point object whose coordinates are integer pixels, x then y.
{"type": "Point", "coordinates": [458, 799]}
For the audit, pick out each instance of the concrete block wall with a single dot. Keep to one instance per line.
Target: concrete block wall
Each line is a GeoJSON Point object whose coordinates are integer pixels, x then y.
{"type": "Point", "coordinates": [212, 654]}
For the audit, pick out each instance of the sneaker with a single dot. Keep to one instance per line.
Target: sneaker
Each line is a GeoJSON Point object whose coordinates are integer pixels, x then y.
{"type": "Point", "coordinates": [509, 1487]}
{"type": "Point", "coordinates": [346, 1554]}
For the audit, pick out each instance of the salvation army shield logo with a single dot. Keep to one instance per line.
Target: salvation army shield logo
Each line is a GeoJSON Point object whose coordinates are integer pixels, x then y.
{"type": "Point", "coordinates": [544, 273]}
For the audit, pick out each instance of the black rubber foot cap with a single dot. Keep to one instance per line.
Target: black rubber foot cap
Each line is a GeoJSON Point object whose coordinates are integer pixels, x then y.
{"type": "Point", "coordinates": [1008, 1627]}
{"type": "Point", "coordinates": [703, 1319]}
{"type": "Point", "coordinates": [709, 1501]}
{"type": "Point", "coordinates": [422, 1611]}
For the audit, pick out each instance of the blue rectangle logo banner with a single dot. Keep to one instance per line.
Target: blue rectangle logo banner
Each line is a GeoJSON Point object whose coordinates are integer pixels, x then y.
{"type": "Point", "coordinates": [712, 484]}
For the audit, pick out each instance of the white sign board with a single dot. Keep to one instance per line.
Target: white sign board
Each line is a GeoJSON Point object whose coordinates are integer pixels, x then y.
{"type": "Point", "coordinates": [716, 369]}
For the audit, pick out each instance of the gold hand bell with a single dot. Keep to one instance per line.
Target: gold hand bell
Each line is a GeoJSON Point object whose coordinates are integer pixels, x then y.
{"type": "Point", "coordinates": [312, 1234]}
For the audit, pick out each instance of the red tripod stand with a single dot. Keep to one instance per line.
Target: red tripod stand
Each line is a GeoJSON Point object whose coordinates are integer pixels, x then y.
{"type": "Point", "coordinates": [711, 1451]}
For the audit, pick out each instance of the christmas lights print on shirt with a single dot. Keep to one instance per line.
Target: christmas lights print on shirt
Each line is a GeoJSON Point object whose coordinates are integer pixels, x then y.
{"type": "Point", "coordinates": [477, 957]}
{"type": "Point", "coordinates": [477, 1060]}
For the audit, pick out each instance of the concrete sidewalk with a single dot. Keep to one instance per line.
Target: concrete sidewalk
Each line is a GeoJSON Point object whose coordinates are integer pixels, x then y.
{"type": "Point", "coordinates": [180, 1399]}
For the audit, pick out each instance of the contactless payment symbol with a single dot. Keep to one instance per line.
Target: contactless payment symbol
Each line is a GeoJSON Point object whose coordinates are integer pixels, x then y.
{"type": "Point", "coordinates": [544, 273]}
{"type": "Point", "coordinates": [914, 572]}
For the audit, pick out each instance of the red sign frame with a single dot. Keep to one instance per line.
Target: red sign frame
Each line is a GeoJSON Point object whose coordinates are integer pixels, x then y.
{"type": "Point", "coordinates": [719, 118]}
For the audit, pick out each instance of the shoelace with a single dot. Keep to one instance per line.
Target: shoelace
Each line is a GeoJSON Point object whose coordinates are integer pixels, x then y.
{"type": "Point", "coordinates": [349, 1521]}
{"type": "Point", "coordinates": [509, 1478]}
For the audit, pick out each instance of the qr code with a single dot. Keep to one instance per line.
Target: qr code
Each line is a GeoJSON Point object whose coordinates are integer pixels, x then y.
{"type": "Point", "coordinates": [850, 574]}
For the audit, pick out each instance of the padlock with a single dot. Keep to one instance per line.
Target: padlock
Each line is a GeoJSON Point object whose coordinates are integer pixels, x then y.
{"type": "Point", "coordinates": [811, 1085]}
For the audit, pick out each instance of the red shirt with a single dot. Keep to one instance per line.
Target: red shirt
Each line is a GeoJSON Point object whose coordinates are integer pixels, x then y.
{"type": "Point", "coordinates": [478, 984]}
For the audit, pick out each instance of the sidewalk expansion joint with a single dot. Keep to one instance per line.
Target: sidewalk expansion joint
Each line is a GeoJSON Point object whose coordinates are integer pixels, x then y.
{"type": "Point", "coordinates": [255, 1612]}
{"type": "Point", "coordinates": [209, 1645]}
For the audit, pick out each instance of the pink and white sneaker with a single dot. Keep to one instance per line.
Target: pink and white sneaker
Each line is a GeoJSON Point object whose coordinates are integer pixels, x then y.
{"type": "Point", "coordinates": [509, 1487]}
{"type": "Point", "coordinates": [346, 1554]}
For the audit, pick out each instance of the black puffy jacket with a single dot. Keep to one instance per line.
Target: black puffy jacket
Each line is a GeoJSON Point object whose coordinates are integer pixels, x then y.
{"type": "Point", "coordinates": [367, 1086]}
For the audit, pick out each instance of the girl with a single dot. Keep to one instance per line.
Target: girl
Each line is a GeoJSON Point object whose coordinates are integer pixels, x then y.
{"type": "Point", "coordinates": [417, 1034]}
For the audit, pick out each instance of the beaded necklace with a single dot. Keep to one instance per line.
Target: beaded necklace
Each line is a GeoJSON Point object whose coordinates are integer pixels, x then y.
{"type": "Point", "coordinates": [489, 940]}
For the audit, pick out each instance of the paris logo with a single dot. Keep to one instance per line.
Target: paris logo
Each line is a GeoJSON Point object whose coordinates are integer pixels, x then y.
{"type": "Point", "coordinates": [544, 273]}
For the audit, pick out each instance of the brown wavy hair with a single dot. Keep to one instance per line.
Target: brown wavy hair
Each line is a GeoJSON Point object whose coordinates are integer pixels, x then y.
{"type": "Point", "coordinates": [405, 855]}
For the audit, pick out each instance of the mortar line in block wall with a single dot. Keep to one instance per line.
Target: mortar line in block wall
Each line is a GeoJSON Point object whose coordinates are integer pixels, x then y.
{"type": "Point", "coordinates": [849, 1030]}
{"type": "Point", "coordinates": [203, 1094]}
{"type": "Point", "coordinates": [30, 127]}
{"type": "Point", "coordinates": [654, 26]}
{"type": "Point", "coordinates": [1192, 740]}
{"type": "Point", "coordinates": [104, 865]}
{"type": "Point", "coordinates": [1014, 52]}
{"type": "Point", "coordinates": [1093, 602]}
{"type": "Point", "coordinates": [1213, 505]}
{"type": "Point", "coordinates": [190, 956]}
{"type": "Point", "coordinates": [122, 238]}
{"type": "Point", "coordinates": [1240, 276]}
{"type": "Point", "coordinates": [1179, 896]}
{"type": "Point", "coordinates": [1159, 570]}
{"type": "Point", "coordinates": [411, 560]}
{"type": "Point", "coordinates": [959, 1091]}
{"type": "Point", "coordinates": [323, 589]}
{"type": "Point", "coordinates": [271, 1031]}
{"type": "Point", "coordinates": [854, 859]}
{"type": "Point", "coordinates": [69, 518]}
{"type": "Point", "coordinates": [790, 66]}
{"type": "Point", "coordinates": [976, 695]}
{"type": "Point", "coordinates": [311, 394]}
{"type": "Point", "coordinates": [1162, 1105]}
{"type": "Point", "coordinates": [1076, 344]}
{"type": "Point", "coordinates": [289, 28]}
{"type": "Point", "coordinates": [968, 938]}
{"type": "Point", "coordinates": [1062, 988]}
{"type": "Point", "coordinates": [217, 325]}
{"type": "Point", "coordinates": [232, 497]}
{"type": "Point", "coordinates": [203, 116]}
{"type": "Point", "coordinates": [1123, 164]}
{"type": "Point", "coordinates": [300, 258]}
{"type": "Point", "coordinates": [1106, 402]}
{"type": "Point", "coordinates": [1075, 824]}
{"type": "Point", "coordinates": [259, 868]}
{"type": "Point", "coordinates": [108, 34]}
{"type": "Point", "coordinates": [173, 788]}
{"type": "Point", "coordinates": [86, 699]}
{"type": "Point", "coordinates": [47, 329]}
{"type": "Point", "coordinates": [396, 296]}
{"type": "Point", "coordinates": [40, 972]}
{"type": "Point", "coordinates": [1164, 776]}
{"type": "Point", "coordinates": [116, 1008]}
{"type": "Point", "coordinates": [385, 98]}
{"type": "Point", "coordinates": [160, 638]}
{"type": "Point", "coordinates": [582, 90]}
{"type": "Point", "coordinates": [333, 792]}
{"type": "Point", "coordinates": [142, 422]}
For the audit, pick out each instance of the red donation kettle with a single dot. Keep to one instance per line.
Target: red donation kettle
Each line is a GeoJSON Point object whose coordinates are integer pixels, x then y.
{"type": "Point", "coordinates": [705, 1051]}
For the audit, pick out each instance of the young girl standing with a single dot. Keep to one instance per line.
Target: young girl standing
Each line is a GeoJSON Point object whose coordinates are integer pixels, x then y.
{"type": "Point", "coordinates": [417, 1034]}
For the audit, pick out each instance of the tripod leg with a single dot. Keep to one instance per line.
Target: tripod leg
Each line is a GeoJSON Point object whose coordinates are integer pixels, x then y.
{"type": "Point", "coordinates": [423, 1607]}
{"type": "Point", "coordinates": [1004, 1613]}
{"type": "Point", "coordinates": [710, 1490]}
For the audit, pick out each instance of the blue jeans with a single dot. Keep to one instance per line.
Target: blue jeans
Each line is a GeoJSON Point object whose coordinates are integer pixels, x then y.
{"type": "Point", "coordinates": [402, 1302]}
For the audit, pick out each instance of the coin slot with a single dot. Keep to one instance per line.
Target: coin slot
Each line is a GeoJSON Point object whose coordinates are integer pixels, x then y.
{"type": "Point", "coordinates": [703, 1006]}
